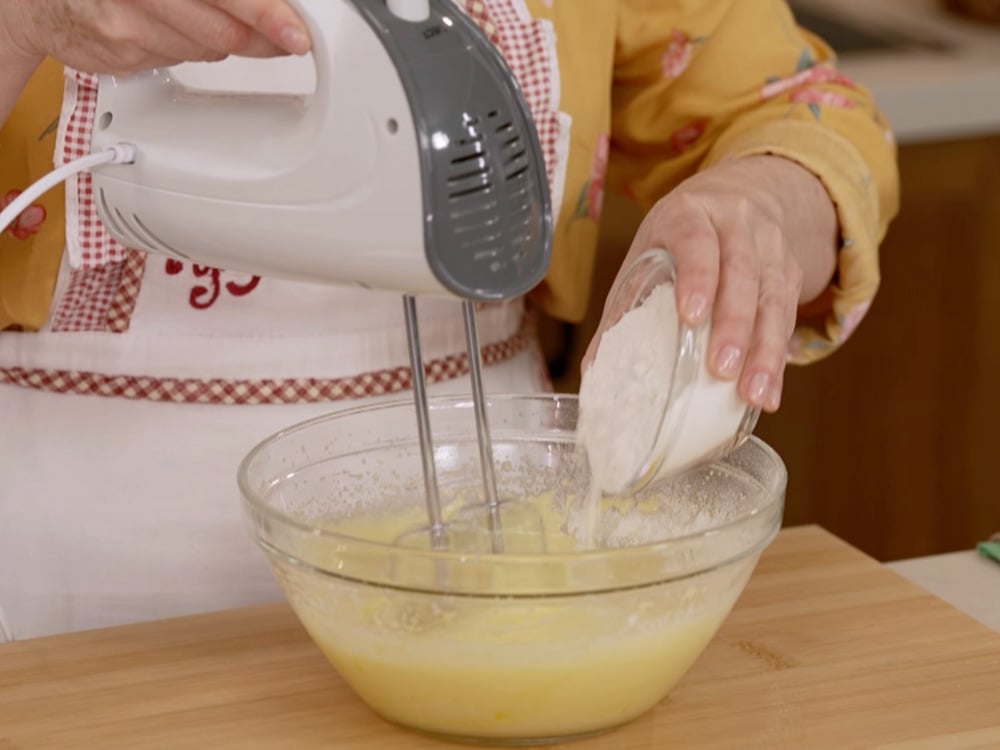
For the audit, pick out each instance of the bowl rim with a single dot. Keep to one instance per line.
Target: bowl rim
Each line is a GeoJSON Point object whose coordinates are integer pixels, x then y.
{"type": "Point", "coordinates": [257, 503]}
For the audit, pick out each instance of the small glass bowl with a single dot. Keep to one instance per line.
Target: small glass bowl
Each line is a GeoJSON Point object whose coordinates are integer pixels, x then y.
{"type": "Point", "coordinates": [702, 418]}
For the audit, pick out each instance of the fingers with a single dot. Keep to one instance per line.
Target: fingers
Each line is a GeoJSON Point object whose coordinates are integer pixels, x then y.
{"type": "Point", "coordinates": [794, 282]}
{"type": "Point", "coordinates": [166, 42]}
{"type": "Point", "coordinates": [686, 230]}
{"type": "Point", "coordinates": [774, 400]}
{"type": "Point", "coordinates": [126, 36]}
{"type": "Point", "coordinates": [735, 313]}
{"type": "Point", "coordinates": [215, 33]}
{"type": "Point", "coordinates": [731, 263]}
{"type": "Point", "coordinates": [272, 19]}
{"type": "Point", "coordinates": [682, 227]}
{"type": "Point", "coordinates": [760, 381]}
{"type": "Point", "coordinates": [130, 41]}
{"type": "Point", "coordinates": [129, 62]}
{"type": "Point", "coordinates": [757, 304]}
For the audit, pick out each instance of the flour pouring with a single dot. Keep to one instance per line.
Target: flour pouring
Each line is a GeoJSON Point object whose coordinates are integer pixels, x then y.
{"type": "Point", "coordinates": [649, 408]}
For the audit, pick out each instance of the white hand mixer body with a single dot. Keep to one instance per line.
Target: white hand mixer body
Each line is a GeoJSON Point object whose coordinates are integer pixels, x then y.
{"type": "Point", "coordinates": [414, 167]}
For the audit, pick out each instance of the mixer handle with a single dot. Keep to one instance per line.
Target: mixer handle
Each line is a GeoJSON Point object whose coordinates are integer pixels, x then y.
{"type": "Point", "coordinates": [270, 148]}
{"type": "Point", "coordinates": [312, 14]}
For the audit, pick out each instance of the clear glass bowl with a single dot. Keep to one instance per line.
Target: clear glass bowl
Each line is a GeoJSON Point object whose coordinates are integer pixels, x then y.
{"type": "Point", "coordinates": [527, 647]}
{"type": "Point", "coordinates": [696, 418]}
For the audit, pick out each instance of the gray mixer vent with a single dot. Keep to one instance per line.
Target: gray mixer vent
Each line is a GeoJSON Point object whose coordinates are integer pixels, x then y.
{"type": "Point", "coordinates": [487, 208]}
{"type": "Point", "coordinates": [489, 186]}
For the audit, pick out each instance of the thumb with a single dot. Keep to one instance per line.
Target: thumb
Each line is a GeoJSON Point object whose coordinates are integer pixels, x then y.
{"type": "Point", "coordinates": [273, 19]}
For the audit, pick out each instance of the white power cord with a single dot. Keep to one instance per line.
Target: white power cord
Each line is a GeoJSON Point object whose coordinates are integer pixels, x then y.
{"type": "Point", "coordinates": [120, 153]}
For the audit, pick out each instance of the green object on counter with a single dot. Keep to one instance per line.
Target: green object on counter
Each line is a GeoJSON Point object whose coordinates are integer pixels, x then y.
{"type": "Point", "coordinates": [990, 550]}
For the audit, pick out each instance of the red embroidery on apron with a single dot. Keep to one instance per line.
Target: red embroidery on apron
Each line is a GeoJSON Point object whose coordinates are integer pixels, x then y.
{"type": "Point", "coordinates": [203, 297]}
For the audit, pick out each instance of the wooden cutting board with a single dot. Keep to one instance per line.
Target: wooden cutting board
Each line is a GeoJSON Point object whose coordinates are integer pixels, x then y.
{"type": "Point", "coordinates": [826, 649]}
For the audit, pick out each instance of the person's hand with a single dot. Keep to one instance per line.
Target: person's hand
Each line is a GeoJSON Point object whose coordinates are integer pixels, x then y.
{"type": "Point", "coordinates": [126, 36]}
{"type": "Point", "coordinates": [751, 239]}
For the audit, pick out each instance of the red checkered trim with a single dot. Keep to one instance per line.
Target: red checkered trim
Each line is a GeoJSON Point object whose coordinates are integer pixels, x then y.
{"type": "Point", "coordinates": [85, 303]}
{"type": "Point", "coordinates": [100, 299]}
{"type": "Point", "coordinates": [263, 391]}
{"type": "Point", "coordinates": [94, 247]}
{"type": "Point", "coordinates": [129, 284]}
{"type": "Point", "coordinates": [527, 46]}
{"type": "Point", "coordinates": [106, 276]}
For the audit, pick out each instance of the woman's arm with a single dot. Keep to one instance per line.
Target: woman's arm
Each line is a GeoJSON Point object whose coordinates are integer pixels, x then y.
{"type": "Point", "coordinates": [787, 179]}
{"type": "Point", "coordinates": [16, 63]}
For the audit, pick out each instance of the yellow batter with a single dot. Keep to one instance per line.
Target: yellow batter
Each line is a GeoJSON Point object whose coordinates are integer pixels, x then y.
{"type": "Point", "coordinates": [500, 668]}
{"type": "Point", "coordinates": [461, 681]}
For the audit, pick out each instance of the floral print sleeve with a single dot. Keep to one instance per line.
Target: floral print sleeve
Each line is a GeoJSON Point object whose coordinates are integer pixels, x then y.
{"type": "Point", "coordinates": [31, 247]}
{"type": "Point", "coordinates": [730, 78]}
{"type": "Point", "coordinates": [28, 222]}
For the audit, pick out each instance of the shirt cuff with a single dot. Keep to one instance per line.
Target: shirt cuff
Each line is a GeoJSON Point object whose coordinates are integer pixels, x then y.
{"type": "Point", "coordinates": [829, 320]}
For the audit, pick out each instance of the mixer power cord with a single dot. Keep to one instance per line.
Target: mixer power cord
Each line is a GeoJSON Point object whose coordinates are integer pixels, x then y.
{"type": "Point", "coordinates": [120, 153]}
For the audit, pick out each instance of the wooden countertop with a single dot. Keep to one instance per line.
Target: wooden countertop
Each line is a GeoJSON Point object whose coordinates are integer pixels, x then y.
{"type": "Point", "coordinates": [826, 649]}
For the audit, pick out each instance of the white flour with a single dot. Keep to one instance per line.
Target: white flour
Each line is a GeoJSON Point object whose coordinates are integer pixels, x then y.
{"type": "Point", "coordinates": [624, 390]}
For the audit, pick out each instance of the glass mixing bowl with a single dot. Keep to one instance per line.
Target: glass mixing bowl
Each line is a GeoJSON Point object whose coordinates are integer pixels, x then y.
{"type": "Point", "coordinates": [563, 636]}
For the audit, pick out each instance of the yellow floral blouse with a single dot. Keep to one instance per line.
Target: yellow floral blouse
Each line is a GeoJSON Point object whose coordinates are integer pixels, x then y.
{"type": "Point", "coordinates": [641, 94]}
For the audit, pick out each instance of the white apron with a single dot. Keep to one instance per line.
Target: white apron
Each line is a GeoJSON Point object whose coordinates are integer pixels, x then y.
{"type": "Point", "coordinates": [116, 510]}
{"type": "Point", "coordinates": [122, 423]}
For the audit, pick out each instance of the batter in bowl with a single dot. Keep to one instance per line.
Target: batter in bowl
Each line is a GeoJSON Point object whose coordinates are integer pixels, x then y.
{"type": "Point", "coordinates": [511, 668]}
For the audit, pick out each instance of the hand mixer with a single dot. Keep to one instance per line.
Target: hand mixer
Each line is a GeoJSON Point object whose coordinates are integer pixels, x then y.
{"type": "Point", "coordinates": [413, 167]}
